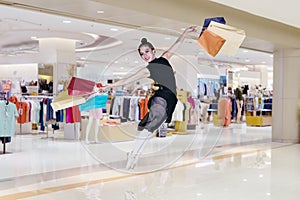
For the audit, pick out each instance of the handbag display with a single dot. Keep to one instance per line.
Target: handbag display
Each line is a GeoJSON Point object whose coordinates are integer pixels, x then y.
{"type": "Point", "coordinates": [79, 86]}
{"type": "Point", "coordinates": [211, 42]}
{"type": "Point", "coordinates": [233, 36]}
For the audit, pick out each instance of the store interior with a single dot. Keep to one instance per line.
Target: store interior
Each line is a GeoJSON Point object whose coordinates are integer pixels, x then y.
{"type": "Point", "coordinates": [109, 57]}
{"type": "Point", "coordinates": [225, 101]}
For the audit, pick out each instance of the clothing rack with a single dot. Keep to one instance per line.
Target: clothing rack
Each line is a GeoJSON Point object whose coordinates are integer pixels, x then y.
{"type": "Point", "coordinates": [40, 97]}
{"type": "Point", "coordinates": [21, 98]}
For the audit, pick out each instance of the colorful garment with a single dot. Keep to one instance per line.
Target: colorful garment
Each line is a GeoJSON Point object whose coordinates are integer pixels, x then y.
{"type": "Point", "coordinates": [8, 115]}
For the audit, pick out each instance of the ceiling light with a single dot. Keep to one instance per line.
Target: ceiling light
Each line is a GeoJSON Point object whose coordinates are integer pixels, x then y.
{"type": "Point", "coordinates": [136, 62]}
{"type": "Point", "coordinates": [119, 73]}
{"type": "Point", "coordinates": [100, 11]}
{"type": "Point", "coordinates": [121, 67]}
{"type": "Point", "coordinates": [33, 37]}
{"type": "Point", "coordinates": [247, 60]}
{"type": "Point", "coordinates": [114, 29]}
{"type": "Point", "coordinates": [67, 22]}
{"type": "Point", "coordinates": [271, 56]}
{"type": "Point", "coordinates": [263, 62]}
{"type": "Point", "coordinates": [245, 51]}
{"type": "Point", "coordinates": [167, 38]}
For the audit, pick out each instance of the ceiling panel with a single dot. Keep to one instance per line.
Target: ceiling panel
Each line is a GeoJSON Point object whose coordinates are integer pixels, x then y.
{"type": "Point", "coordinates": [286, 12]}
{"type": "Point", "coordinates": [131, 25]}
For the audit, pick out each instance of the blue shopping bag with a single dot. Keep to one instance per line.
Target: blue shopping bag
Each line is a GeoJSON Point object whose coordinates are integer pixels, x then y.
{"type": "Point", "coordinates": [208, 20]}
{"type": "Point", "coordinates": [95, 102]}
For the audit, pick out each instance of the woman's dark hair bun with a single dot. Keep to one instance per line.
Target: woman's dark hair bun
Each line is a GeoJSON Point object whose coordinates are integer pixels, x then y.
{"type": "Point", "coordinates": [144, 41]}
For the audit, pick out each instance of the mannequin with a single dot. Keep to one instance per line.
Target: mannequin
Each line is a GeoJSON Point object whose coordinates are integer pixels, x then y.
{"type": "Point", "coordinates": [239, 102]}
{"type": "Point", "coordinates": [94, 115]}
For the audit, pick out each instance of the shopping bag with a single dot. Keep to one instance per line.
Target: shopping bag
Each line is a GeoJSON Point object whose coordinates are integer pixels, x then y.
{"type": "Point", "coordinates": [79, 86]}
{"type": "Point", "coordinates": [211, 42]}
{"type": "Point", "coordinates": [233, 36]}
{"type": "Point", "coordinates": [63, 101]}
{"type": "Point", "coordinates": [94, 102]}
{"type": "Point", "coordinates": [208, 20]}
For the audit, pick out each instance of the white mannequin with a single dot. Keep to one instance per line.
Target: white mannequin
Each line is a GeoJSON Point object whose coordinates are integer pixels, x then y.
{"type": "Point", "coordinates": [94, 115]}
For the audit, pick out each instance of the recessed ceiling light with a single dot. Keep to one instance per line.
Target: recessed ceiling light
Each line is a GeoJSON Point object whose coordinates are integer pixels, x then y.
{"type": "Point", "coordinates": [245, 51]}
{"type": "Point", "coordinates": [121, 67]}
{"type": "Point", "coordinates": [119, 73]}
{"type": "Point", "coordinates": [247, 60]}
{"type": "Point", "coordinates": [33, 37]}
{"type": "Point", "coordinates": [167, 38]}
{"type": "Point", "coordinates": [271, 56]}
{"type": "Point", "coordinates": [263, 62]}
{"type": "Point", "coordinates": [66, 21]}
{"type": "Point", "coordinates": [100, 11]}
{"type": "Point", "coordinates": [114, 29]}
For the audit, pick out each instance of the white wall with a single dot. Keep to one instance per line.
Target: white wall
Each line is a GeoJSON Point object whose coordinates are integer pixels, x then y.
{"type": "Point", "coordinates": [18, 72]}
{"type": "Point", "coordinates": [250, 78]}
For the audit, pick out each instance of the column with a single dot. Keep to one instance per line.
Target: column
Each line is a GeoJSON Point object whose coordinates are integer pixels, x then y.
{"type": "Point", "coordinates": [60, 53]}
{"type": "Point", "coordinates": [286, 94]}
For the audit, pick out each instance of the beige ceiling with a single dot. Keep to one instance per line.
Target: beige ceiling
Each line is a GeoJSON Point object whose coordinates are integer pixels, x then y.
{"type": "Point", "coordinates": [286, 12]}
{"type": "Point", "coordinates": [134, 19]}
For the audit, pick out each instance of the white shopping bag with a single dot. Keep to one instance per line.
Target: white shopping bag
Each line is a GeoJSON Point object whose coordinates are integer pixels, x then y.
{"type": "Point", "coordinates": [63, 101]}
{"type": "Point", "coordinates": [233, 36]}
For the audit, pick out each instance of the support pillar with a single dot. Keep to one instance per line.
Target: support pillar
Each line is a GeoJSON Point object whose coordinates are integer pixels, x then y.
{"type": "Point", "coordinates": [286, 93]}
{"type": "Point", "coordinates": [60, 53]}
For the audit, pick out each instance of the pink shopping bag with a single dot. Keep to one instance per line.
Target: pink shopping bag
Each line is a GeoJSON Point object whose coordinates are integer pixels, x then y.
{"type": "Point", "coordinates": [79, 87]}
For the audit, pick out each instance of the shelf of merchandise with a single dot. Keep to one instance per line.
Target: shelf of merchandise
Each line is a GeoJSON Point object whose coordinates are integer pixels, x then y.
{"type": "Point", "coordinates": [262, 117]}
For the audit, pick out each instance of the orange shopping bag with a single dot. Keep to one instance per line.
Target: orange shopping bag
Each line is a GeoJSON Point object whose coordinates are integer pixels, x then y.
{"type": "Point", "coordinates": [211, 42]}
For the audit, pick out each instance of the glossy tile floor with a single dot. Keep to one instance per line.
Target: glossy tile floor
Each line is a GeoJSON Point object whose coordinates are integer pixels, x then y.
{"type": "Point", "coordinates": [236, 163]}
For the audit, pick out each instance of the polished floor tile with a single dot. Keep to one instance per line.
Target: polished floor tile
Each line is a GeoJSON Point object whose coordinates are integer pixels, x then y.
{"type": "Point", "coordinates": [236, 162]}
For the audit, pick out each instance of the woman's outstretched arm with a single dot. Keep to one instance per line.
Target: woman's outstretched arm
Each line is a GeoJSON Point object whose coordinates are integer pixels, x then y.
{"type": "Point", "coordinates": [170, 52]}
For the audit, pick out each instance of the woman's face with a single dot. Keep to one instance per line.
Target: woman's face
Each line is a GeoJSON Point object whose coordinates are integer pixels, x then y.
{"type": "Point", "coordinates": [146, 53]}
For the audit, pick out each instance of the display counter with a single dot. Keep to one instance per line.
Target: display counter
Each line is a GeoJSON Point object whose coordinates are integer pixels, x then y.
{"type": "Point", "coordinates": [262, 117]}
{"type": "Point", "coordinates": [110, 132]}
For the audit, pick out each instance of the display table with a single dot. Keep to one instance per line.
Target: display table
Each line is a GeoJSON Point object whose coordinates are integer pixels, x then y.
{"type": "Point", "coordinates": [110, 133]}
{"type": "Point", "coordinates": [262, 117]}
